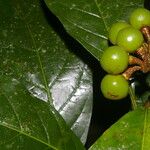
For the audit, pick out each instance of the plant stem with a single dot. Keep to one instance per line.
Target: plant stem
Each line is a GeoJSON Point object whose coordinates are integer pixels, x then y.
{"type": "Point", "coordinates": [132, 97]}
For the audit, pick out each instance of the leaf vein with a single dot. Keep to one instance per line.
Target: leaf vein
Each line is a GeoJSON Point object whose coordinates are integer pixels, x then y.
{"type": "Point", "coordinates": [84, 29]}
{"type": "Point", "coordinates": [101, 15]}
{"type": "Point", "coordinates": [84, 104]}
{"type": "Point", "coordinates": [15, 113]}
{"type": "Point", "coordinates": [59, 73]}
{"type": "Point", "coordinates": [41, 67]}
{"type": "Point", "coordinates": [74, 90]}
{"type": "Point", "coordinates": [38, 55]}
{"type": "Point", "coordinates": [88, 13]}
{"type": "Point", "coordinates": [25, 134]}
{"type": "Point", "coordinates": [10, 139]}
{"type": "Point", "coordinates": [46, 132]}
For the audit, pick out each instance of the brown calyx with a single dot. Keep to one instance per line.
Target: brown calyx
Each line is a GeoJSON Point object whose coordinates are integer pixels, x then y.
{"type": "Point", "coordinates": [140, 62]}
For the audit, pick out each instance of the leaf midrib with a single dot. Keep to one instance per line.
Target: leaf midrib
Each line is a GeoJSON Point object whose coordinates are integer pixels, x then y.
{"type": "Point", "coordinates": [41, 67]}
{"type": "Point", "coordinates": [50, 100]}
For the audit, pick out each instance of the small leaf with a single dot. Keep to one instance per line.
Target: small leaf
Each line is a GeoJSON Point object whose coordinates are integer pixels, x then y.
{"type": "Point", "coordinates": [34, 53]}
{"type": "Point", "coordinates": [27, 123]}
{"type": "Point", "coordinates": [89, 21]}
{"type": "Point", "coordinates": [131, 132]}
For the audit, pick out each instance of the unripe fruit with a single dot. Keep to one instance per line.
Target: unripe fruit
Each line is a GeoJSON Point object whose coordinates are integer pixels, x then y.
{"type": "Point", "coordinates": [130, 38]}
{"type": "Point", "coordinates": [140, 17]}
{"type": "Point", "coordinates": [114, 87]}
{"type": "Point", "coordinates": [116, 27]}
{"type": "Point", "coordinates": [114, 60]}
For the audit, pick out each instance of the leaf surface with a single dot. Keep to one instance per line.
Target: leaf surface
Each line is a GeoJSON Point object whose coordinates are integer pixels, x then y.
{"type": "Point", "coordinates": [132, 131]}
{"type": "Point", "coordinates": [89, 21]}
{"type": "Point", "coordinates": [32, 52]}
{"type": "Point", "coordinates": [27, 123]}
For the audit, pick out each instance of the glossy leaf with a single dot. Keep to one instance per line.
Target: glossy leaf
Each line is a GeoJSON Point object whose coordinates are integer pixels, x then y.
{"type": "Point", "coordinates": [27, 123]}
{"type": "Point", "coordinates": [131, 132]}
{"type": "Point", "coordinates": [33, 52]}
{"type": "Point", "coordinates": [89, 21]}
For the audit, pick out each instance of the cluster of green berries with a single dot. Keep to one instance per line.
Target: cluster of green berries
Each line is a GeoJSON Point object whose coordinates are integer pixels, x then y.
{"type": "Point", "coordinates": [126, 38]}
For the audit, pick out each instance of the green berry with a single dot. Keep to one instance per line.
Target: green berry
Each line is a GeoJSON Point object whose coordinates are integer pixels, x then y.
{"type": "Point", "coordinates": [130, 38]}
{"type": "Point", "coordinates": [114, 60]}
{"type": "Point", "coordinates": [116, 27]}
{"type": "Point", "coordinates": [140, 17]}
{"type": "Point", "coordinates": [114, 87]}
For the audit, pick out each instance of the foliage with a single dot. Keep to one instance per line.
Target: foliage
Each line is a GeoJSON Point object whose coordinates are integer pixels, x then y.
{"type": "Point", "coordinates": [130, 132]}
{"type": "Point", "coordinates": [46, 78]}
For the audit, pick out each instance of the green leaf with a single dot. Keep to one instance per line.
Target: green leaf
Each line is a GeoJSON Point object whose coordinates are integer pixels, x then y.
{"type": "Point", "coordinates": [131, 132]}
{"type": "Point", "coordinates": [27, 123]}
{"type": "Point", "coordinates": [33, 52]}
{"type": "Point", "coordinates": [89, 21]}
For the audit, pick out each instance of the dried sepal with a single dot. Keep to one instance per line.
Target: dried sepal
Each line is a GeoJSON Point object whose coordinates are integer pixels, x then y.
{"type": "Point", "coordinates": [146, 32]}
{"type": "Point", "coordinates": [140, 62]}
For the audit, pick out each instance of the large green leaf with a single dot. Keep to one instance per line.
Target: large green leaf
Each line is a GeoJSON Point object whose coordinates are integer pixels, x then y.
{"type": "Point", "coordinates": [88, 21]}
{"type": "Point", "coordinates": [27, 123]}
{"type": "Point", "coordinates": [33, 53]}
{"type": "Point", "coordinates": [131, 132]}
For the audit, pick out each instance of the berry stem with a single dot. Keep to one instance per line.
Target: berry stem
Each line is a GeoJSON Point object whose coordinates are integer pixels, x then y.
{"type": "Point", "coordinates": [129, 72]}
